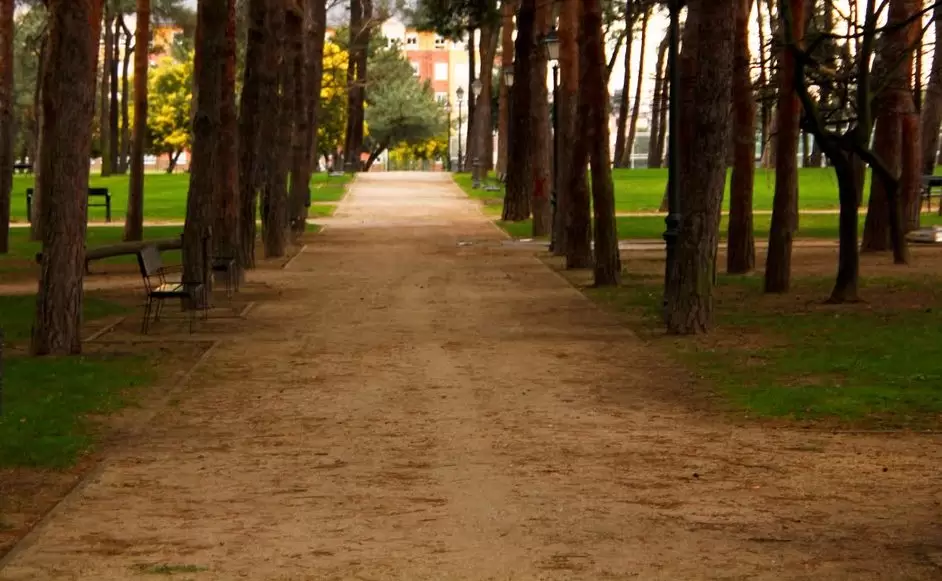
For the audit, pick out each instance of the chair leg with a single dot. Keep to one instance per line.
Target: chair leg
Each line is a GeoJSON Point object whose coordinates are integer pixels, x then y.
{"type": "Point", "coordinates": [158, 310]}
{"type": "Point", "coordinates": [145, 323]}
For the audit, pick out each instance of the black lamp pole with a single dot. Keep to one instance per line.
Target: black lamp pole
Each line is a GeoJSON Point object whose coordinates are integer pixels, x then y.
{"type": "Point", "coordinates": [448, 148]}
{"type": "Point", "coordinates": [553, 197]}
{"type": "Point", "coordinates": [673, 150]}
{"type": "Point", "coordinates": [460, 94]}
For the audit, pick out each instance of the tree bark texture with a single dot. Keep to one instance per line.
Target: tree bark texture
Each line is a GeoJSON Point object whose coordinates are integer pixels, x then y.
{"type": "Point", "coordinates": [207, 131]}
{"type": "Point", "coordinates": [621, 126]}
{"type": "Point", "coordinates": [506, 52]}
{"type": "Point", "coordinates": [360, 14]}
{"type": "Point", "coordinates": [129, 50]}
{"type": "Point", "coordinates": [277, 130]}
{"type": "Point", "coordinates": [655, 143]}
{"type": "Point", "coordinates": [69, 108]}
{"type": "Point", "coordinates": [594, 102]}
{"type": "Point", "coordinates": [541, 146]}
{"type": "Point", "coordinates": [636, 106]}
{"type": "Point", "coordinates": [250, 127]}
{"type": "Point", "coordinates": [785, 202]}
{"type": "Point", "coordinates": [6, 121]}
{"type": "Point", "coordinates": [104, 129]}
{"type": "Point", "coordinates": [114, 112]}
{"type": "Point", "coordinates": [134, 222]}
{"type": "Point", "coordinates": [299, 195]}
{"type": "Point", "coordinates": [314, 47]}
{"type": "Point", "coordinates": [226, 229]}
{"type": "Point", "coordinates": [707, 93]}
{"type": "Point", "coordinates": [519, 159]}
{"type": "Point", "coordinates": [36, 219]}
{"type": "Point", "coordinates": [470, 145]}
{"type": "Point", "coordinates": [932, 104]}
{"type": "Point", "coordinates": [741, 246]}
{"type": "Point", "coordinates": [489, 35]}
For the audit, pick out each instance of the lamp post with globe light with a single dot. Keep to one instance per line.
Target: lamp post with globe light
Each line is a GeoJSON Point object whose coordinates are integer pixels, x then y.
{"type": "Point", "coordinates": [551, 43]}
{"type": "Point", "coordinates": [447, 109]}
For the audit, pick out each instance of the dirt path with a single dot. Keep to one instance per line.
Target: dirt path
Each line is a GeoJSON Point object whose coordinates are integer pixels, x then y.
{"type": "Point", "coordinates": [418, 410]}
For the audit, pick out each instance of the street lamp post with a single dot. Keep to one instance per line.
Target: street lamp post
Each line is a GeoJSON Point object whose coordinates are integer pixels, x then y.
{"type": "Point", "coordinates": [448, 147]}
{"type": "Point", "coordinates": [551, 42]}
{"type": "Point", "coordinates": [476, 88]}
{"type": "Point", "coordinates": [673, 147]}
{"type": "Point", "coordinates": [460, 94]}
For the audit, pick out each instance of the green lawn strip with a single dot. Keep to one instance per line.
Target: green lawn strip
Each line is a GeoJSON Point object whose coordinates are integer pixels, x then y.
{"type": "Point", "coordinates": [164, 194]}
{"type": "Point", "coordinates": [851, 364]}
{"type": "Point", "coordinates": [17, 312]}
{"type": "Point", "coordinates": [23, 250]}
{"type": "Point", "coordinates": [321, 210]}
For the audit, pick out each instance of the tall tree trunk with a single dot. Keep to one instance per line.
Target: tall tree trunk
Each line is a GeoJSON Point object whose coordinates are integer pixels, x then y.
{"type": "Point", "coordinates": [932, 104]}
{"type": "Point", "coordinates": [255, 75]}
{"type": "Point", "coordinates": [276, 129]}
{"type": "Point", "coordinates": [6, 121]}
{"type": "Point", "coordinates": [764, 113]}
{"type": "Point", "coordinates": [361, 78]}
{"type": "Point", "coordinates": [134, 223]}
{"type": "Point", "coordinates": [895, 103]}
{"type": "Point", "coordinates": [594, 103]}
{"type": "Point", "coordinates": [316, 31]}
{"type": "Point", "coordinates": [69, 107]}
{"type": "Point", "coordinates": [655, 145]}
{"type": "Point", "coordinates": [664, 108]}
{"type": "Point", "coordinates": [517, 194]}
{"type": "Point", "coordinates": [707, 94]}
{"type": "Point", "coordinates": [114, 120]}
{"type": "Point", "coordinates": [741, 246]}
{"type": "Point", "coordinates": [636, 106]}
{"type": "Point", "coordinates": [506, 51]}
{"type": "Point", "coordinates": [623, 103]}
{"type": "Point", "coordinates": [785, 202]}
{"type": "Point", "coordinates": [226, 230]}
{"type": "Point", "coordinates": [129, 50]}
{"type": "Point", "coordinates": [105, 90]}
{"type": "Point", "coordinates": [489, 35]}
{"type": "Point", "coordinates": [351, 153]}
{"type": "Point", "coordinates": [574, 144]}
{"type": "Point", "coordinates": [469, 145]}
{"type": "Point", "coordinates": [208, 71]}
{"type": "Point", "coordinates": [540, 185]}
{"type": "Point", "coordinates": [824, 96]}
{"type": "Point", "coordinates": [299, 195]}
{"type": "Point", "coordinates": [36, 212]}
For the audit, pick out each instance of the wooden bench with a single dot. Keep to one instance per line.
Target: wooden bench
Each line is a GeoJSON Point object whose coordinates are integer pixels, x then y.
{"type": "Point", "coordinates": [125, 249]}
{"type": "Point", "coordinates": [92, 193]}
{"type": "Point", "coordinates": [159, 288]}
{"type": "Point", "coordinates": [22, 167]}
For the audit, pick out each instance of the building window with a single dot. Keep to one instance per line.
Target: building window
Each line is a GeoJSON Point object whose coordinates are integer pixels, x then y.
{"type": "Point", "coordinates": [412, 40]}
{"type": "Point", "coordinates": [415, 68]}
{"type": "Point", "coordinates": [441, 71]}
{"type": "Point", "coordinates": [439, 42]}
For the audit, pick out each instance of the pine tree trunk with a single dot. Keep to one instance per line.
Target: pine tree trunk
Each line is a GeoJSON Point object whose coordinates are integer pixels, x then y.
{"type": "Point", "coordinates": [316, 31]}
{"type": "Point", "coordinates": [114, 121]}
{"type": "Point", "coordinates": [36, 212]}
{"type": "Point", "coordinates": [785, 202]}
{"type": "Point", "coordinates": [134, 223]}
{"type": "Point", "coordinates": [226, 229]}
{"type": "Point", "coordinates": [69, 109]}
{"type": "Point", "coordinates": [665, 107]}
{"type": "Point", "coordinates": [482, 126]}
{"type": "Point", "coordinates": [594, 103]}
{"type": "Point", "coordinates": [655, 144]}
{"type": "Point", "coordinates": [848, 270]}
{"type": "Point", "coordinates": [574, 145]}
{"type": "Point", "coordinates": [932, 104]}
{"type": "Point", "coordinates": [6, 121]}
{"type": "Point", "coordinates": [517, 194]}
{"type": "Point", "coordinates": [208, 72]}
{"type": "Point", "coordinates": [250, 127]}
{"type": "Point", "coordinates": [105, 90]}
{"type": "Point", "coordinates": [763, 82]}
{"type": "Point", "coordinates": [507, 48]}
{"type": "Point", "coordinates": [621, 126]}
{"type": "Point", "coordinates": [351, 148]}
{"type": "Point", "coordinates": [541, 187]}
{"type": "Point", "coordinates": [469, 145]}
{"type": "Point", "coordinates": [126, 103]}
{"type": "Point", "coordinates": [741, 246]}
{"type": "Point", "coordinates": [299, 196]}
{"type": "Point", "coordinates": [707, 93]}
{"type": "Point", "coordinates": [636, 106]}
{"type": "Point", "coordinates": [276, 129]}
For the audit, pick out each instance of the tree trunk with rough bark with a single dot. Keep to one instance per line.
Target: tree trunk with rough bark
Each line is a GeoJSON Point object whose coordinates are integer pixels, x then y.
{"type": "Point", "coordinates": [6, 121]}
{"type": "Point", "coordinates": [469, 144]}
{"type": "Point", "coordinates": [360, 13]}
{"type": "Point", "coordinates": [593, 107]}
{"type": "Point", "coordinates": [226, 229]}
{"type": "Point", "coordinates": [208, 72]}
{"type": "Point", "coordinates": [250, 127]}
{"type": "Point", "coordinates": [655, 145]}
{"type": "Point", "coordinates": [134, 222]}
{"type": "Point", "coordinates": [932, 104]}
{"type": "Point", "coordinates": [315, 36]}
{"type": "Point", "coordinates": [540, 150]}
{"type": "Point", "coordinates": [507, 60]}
{"type": "Point", "coordinates": [105, 90]}
{"type": "Point", "coordinates": [277, 130]}
{"type": "Point", "coordinates": [621, 126]}
{"type": "Point", "coordinates": [36, 217]}
{"type": "Point", "coordinates": [114, 111]}
{"type": "Point", "coordinates": [636, 106]}
{"type": "Point", "coordinates": [129, 50]}
{"type": "Point", "coordinates": [69, 108]}
{"type": "Point", "coordinates": [517, 194]}
{"type": "Point", "coordinates": [707, 93]}
{"type": "Point", "coordinates": [489, 35]}
{"type": "Point", "coordinates": [778, 264]}
{"type": "Point", "coordinates": [299, 194]}
{"type": "Point", "coordinates": [741, 246]}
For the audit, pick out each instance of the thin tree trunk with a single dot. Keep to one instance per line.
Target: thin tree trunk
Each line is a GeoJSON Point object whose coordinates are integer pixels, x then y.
{"type": "Point", "coordinates": [251, 114]}
{"type": "Point", "coordinates": [469, 146]}
{"type": "Point", "coordinates": [594, 103]}
{"type": "Point", "coordinates": [352, 147]}
{"type": "Point", "coordinates": [6, 121]}
{"type": "Point", "coordinates": [134, 223]}
{"type": "Point", "coordinates": [741, 246]}
{"type": "Point", "coordinates": [489, 35]}
{"type": "Point", "coordinates": [655, 144]}
{"type": "Point", "coordinates": [299, 194]}
{"type": "Point", "coordinates": [707, 94]}
{"type": "Point", "coordinates": [636, 106]}
{"type": "Point", "coordinates": [114, 121]}
{"type": "Point", "coordinates": [105, 89]}
{"type": "Point", "coordinates": [763, 81]}
{"type": "Point", "coordinates": [517, 195]}
{"type": "Point", "coordinates": [785, 202]}
{"type": "Point", "coordinates": [226, 230]}
{"type": "Point", "coordinates": [209, 71]}
{"type": "Point", "coordinates": [664, 108]}
{"type": "Point", "coordinates": [69, 104]}
{"type": "Point", "coordinates": [317, 29]}
{"type": "Point", "coordinates": [541, 187]}
{"type": "Point", "coordinates": [126, 102]}
{"type": "Point", "coordinates": [623, 104]}
{"type": "Point", "coordinates": [932, 104]}
{"type": "Point", "coordinates": [276, 129]}
{"type": "Point", "coordinates": [507, 48]}
{"type": "Point", "coordinates": [36, 212]}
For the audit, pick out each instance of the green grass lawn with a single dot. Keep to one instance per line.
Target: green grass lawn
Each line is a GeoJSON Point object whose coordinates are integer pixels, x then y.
{"type": "Point", "coordinates": [164, 195]}
{"type": "Point", "coordinates": [47, 401]}
{"type": "Point", "coordinates": [859, 364]}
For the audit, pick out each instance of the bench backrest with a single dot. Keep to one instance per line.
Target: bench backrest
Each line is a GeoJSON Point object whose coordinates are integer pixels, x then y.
{"type": "Point", "coordinates": [103, 192]}
{"type": "Point", "coordinates": [148, 259]}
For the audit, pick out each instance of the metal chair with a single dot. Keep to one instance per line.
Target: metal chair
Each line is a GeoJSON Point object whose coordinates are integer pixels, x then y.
{"type": "Point", "coordinates": [158, 288]}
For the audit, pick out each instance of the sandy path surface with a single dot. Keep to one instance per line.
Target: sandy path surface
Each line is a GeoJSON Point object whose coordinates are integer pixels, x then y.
{"type": "Point", "coordinates": [415, 409]}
